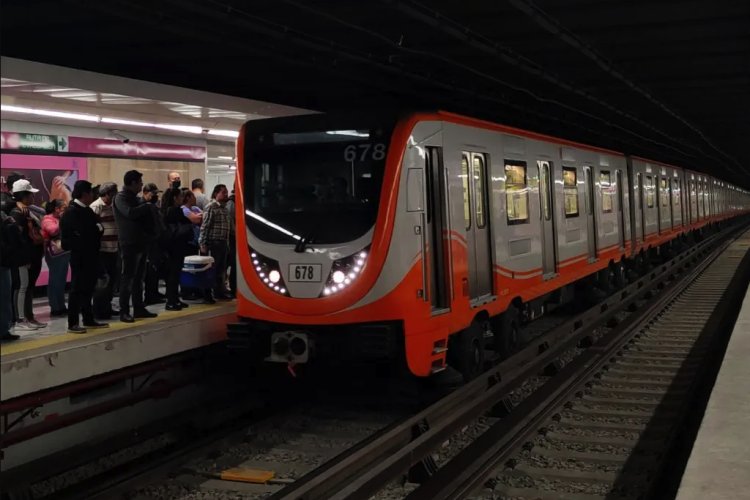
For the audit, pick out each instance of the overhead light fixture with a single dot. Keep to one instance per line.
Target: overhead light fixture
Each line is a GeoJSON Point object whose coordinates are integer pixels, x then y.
{"type": "Point", "coordinates": [224, 133]}
{"type": "Point", "coordinates": [225, 157]}
{"type": "Point", "coordinates": [232, 168]}
{"type": "Point", "coordinates": [190, 129]}
{"type": "Point", "coordinates": [50, 113]}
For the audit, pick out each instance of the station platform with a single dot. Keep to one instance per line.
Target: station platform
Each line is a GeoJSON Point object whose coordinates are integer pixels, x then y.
{"type": "Point", "coordinates": [719, 463]}
{"type": "Point", "coordinates": [51, 357]}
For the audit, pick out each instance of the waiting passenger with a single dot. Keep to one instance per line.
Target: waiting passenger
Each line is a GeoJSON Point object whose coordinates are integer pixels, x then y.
{"type": "Point", "coordinates": [130, 215]}
{"type": "Point", "coordinates": [180, 232]}
{"type": "Point", "coordinates": [108, 252]}
{"type": "Point", "coordinates": [33, 252]}
{"type": "Point", "coordinates": [214, 237]}
{"type": "Point", "coordinates": [155, 259]}
{"type": "Point", "coordinates": [56, 257]}
{"type": "Point", "coordinates": [81, 235]}
{"type": "Point", "coordinates": [10, 249]}
{"type": "Point", "coordinates": [174, 180]}
{"type": "Point", "coordinates": [201, 200]}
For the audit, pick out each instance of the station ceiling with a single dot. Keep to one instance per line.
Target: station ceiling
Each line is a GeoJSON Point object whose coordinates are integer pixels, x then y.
{"type": "Point", "coordinates": [665, 79]}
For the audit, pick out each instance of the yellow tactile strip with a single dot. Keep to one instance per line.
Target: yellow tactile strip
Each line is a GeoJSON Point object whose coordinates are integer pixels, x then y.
{"type": "Point", "coordinates": [114, 326]}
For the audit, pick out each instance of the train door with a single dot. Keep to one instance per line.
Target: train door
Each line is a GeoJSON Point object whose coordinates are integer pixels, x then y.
{"type": "Point", "coordinates": [436, 226]}
{"type": "Point", "coordinates": [659, 194]}
{"type": "Point", "coordinates": [590, 211]}
{"type": "Point", "coordinates": [642, 205]}
{"type": "Point", "coordinates": [474, 167]}
{"type": "Point", "coordinates": [546, 202]}
{"type": "Point", "coordinates": [620, 207]}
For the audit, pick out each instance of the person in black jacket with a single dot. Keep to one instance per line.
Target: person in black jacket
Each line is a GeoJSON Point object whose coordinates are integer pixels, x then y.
{"type": "Point", "coordinates": [10, 248]}
{"type": "Point", "coordinates": [130, 216]}
{"type": "Point", "coordinates": [81, 234]}
{"type": "Point", "coordinates": [179, 233]}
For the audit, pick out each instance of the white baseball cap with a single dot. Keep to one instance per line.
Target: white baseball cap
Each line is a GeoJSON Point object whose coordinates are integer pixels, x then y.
{"type": "Point", "coordinates": [22, 185]}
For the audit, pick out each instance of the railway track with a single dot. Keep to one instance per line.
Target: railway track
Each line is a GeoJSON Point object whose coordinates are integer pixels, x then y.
{"type": "Point", "coordinates": [590, 413]}
{"type": "Point", "coordinates": [606, 427]}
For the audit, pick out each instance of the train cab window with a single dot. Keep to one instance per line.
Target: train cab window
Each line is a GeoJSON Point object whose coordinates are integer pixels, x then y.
{"type": "Point", "coordinates": [570, 188]}
{"type": "Point", "coordinates": [465, 183]}
{"type": "Point", "coordinates": [516, 192]}
{"type": "Point", "coordinates": [478, 166]}
{"type": "Point", "coordinates": [649, 191]}
{"type": "Point", "coordinates": [605, 182]}
{"type": "Point", "coordinates": [664, 193]}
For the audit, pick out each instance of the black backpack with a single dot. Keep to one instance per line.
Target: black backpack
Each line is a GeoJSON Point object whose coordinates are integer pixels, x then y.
{"type": "Point", "coordinates": [11, 244]}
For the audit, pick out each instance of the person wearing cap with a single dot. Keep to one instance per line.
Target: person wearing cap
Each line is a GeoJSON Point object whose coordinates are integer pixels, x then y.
{"type": "Point", "coordinates": [156, 250]}
{"type": "Point", "coordinates": [130, 216]}
{"type": "Point", "coordinates": [108, 252]}
{"type": "Point", "coordinates": [81, 235]}
{"type": "Point", "coordinates": [33, 251]}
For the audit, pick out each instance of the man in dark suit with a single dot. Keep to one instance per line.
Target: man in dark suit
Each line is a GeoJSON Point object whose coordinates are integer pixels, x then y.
{"type": "Point", "coordinates": [81, 233]}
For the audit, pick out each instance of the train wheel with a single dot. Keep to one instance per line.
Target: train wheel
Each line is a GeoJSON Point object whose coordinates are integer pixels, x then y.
{"type": "Point", "coordinates": [507, 332]}
{"type": "Point", "coordinates": [466, 353]}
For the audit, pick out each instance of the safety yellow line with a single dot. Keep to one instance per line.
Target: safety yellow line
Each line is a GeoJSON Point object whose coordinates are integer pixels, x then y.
{"type": "Point", "coordinates": [27, 345]}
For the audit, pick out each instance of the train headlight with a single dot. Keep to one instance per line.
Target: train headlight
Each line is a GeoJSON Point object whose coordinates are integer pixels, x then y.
{"type": "Point", "coordinates": [344, 272]}
{"type": "Point", "coordinates": [268, 272]}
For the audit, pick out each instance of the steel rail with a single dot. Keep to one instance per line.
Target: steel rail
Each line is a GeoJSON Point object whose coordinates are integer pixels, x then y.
{"type": "Point", "coordinates": [364, 471]}
{"type": "Point", "coordinates": [466, 472]}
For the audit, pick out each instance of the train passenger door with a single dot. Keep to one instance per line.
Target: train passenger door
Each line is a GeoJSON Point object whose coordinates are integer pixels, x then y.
{"type": "Point", "coordinates": [474, 175]}
{"type": "Point", "coordinates": [642, 206]}
{"type": "Point", "coordinates": [658, 204]}
{"type": "Point", "coordinates": [620, 207]}
{"type": "Point", "coordinates": [546, 202]}
{"type": "Point", "coordinates": [436, 217]}
{"type": "Point", "coordinates": [590, 211]}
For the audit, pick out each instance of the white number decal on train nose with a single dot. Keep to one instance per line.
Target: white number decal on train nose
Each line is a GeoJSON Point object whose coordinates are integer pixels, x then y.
{"type": "Point", "coordinates": [305, 272]}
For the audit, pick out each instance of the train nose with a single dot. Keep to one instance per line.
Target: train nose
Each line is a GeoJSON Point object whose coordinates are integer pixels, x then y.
{"type": "Point", "coordinates": [290, 347]}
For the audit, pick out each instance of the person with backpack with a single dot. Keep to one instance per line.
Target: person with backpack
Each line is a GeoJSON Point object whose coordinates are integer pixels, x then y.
{"type": "Point", "coordinates": [30, 264]}
{"type": "Point", "coordinates": [10, 243]}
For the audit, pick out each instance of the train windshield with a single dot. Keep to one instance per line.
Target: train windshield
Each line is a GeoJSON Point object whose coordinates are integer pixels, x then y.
{"type": "Point", "coordinates": [318, 186]}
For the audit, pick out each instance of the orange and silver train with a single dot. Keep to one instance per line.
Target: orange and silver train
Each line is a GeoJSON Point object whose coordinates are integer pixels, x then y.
{"type": "Point", "coordinates": [429, 237]}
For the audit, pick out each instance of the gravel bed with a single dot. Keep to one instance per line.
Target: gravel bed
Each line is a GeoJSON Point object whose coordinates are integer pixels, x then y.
{"type": "Point", "coordinates": [74, 476]}
{"type": "Point", "coordinates": [545, 462]}
{"type": "Point", "coordinates": [581, 447]}
{"type": "Point", "coordinates": [604, 407]}
{"type": "Point", "coordinates": [614, 419]}
{"type": "Point", "coordinates": [608, 433]}
{"type": "Point", "coordinates": [553, 485]}
{"type": "Point", "coordinates": [602, 392]}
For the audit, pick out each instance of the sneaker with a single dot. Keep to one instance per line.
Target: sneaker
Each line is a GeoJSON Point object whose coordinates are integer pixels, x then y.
{"type": "Point", "coordinates": [38, 324]}
{"type": "Point", "coordinates": [25, 326]}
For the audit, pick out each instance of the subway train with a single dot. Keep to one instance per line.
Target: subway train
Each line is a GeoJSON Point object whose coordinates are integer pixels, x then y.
{"type": "Point", "coordinates": [427, 239]}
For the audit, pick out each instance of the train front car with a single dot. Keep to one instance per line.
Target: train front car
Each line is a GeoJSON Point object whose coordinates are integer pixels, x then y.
{"type": "Point", "coordinates": [329, 262]}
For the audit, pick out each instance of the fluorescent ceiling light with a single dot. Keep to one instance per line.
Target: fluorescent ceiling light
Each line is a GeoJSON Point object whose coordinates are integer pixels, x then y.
{"type": "Point", "coordinates": [118, 121]}
{"type": "Point", "coordinates": [190, 129]}
{"type": "Point", "coordinates": [50, 113]}
{"type": "Point", "coordinates": [225, 157]}
{"type": "Point", "coordinates": [232, 168]}
{"type": "Point", "coordinates": [224, 133]}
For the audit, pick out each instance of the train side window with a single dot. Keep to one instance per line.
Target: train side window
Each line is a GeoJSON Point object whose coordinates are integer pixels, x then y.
{"type": "Point", "coordinates": [570, 189]}
{"type": "Point", "coordinates": [479, 176]}
{"type": "Point", "coordinates": [516, 192]}
{"type": "Point", "coordinates": [605, 181]}
{"type": "Point", "coordinates": [676, 192]}
{"type": "Point", "coordinates": [664, 193]}
{"type": "Point", "coordinates": [465, 181]}
{"type": "Point", "coordinates": [649, 185]}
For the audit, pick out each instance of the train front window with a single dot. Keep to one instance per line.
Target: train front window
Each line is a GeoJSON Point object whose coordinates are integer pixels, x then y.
{"type": "Point", "coordinates": [318, 186]}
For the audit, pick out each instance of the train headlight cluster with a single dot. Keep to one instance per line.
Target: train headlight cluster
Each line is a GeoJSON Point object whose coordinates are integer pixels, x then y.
{"type": "Point", "coordinates": [344, 272]}
{"type": "Point", "coordinates": [268, 272]}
